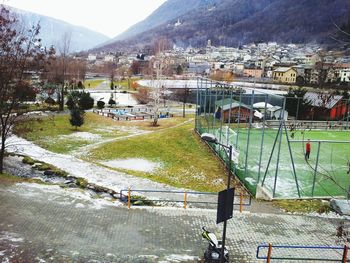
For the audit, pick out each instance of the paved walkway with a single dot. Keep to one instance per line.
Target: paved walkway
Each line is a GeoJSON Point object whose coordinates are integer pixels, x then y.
{"type": "Point", "coordinates": [40, 223]}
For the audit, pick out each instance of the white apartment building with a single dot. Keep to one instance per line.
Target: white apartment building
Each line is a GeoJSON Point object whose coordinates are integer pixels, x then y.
{"type": "Point", "coordinates": [92, 57]}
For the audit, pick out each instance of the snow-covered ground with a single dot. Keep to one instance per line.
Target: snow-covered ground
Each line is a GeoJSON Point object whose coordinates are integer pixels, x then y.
{"type": "Point", "coordinates": [83, 136]}
{"type": "Point", "coordinates": [133, 164]}
{"type": "Point", "coordinates": [63, 196]}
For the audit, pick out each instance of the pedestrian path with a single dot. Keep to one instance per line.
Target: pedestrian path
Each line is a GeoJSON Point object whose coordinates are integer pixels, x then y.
{"type": "Point", "coordinates": [41, 223]}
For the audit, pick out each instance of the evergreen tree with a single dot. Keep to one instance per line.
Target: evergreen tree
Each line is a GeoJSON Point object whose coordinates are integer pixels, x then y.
{"type": "Point", "coordinates": [76, 117]}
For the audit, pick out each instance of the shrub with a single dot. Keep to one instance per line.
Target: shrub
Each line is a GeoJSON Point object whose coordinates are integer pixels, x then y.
{"type": "Point", "coordinates": [100, 104]}
{"type": "Point", "coordinates": [28, 160]}
{"type": "Point", "coordinates": [50, 101]}
{"type": "Point", "coordinates": [86, 102]}
{"type": "Point", "coordinates": [44, 167]}
{"type": "Point", "coordinates": [141, 200]}
{"type": "Point", "coordinates": [111, 102]}
{"type": "Point", "coordinates": [81, 182]}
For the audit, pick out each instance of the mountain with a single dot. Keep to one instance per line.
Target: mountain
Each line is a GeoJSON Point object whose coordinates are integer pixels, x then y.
{"type": "Point", "coordinates": [52, 30]}
{"type": "Point", "coordinates": [234, 22]}
{"type": "Point", "coordinates": [170, 10]}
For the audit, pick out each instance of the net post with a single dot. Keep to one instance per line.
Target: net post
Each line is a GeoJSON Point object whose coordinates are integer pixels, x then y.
{"type": "Point", "coordinates": [316, 166]}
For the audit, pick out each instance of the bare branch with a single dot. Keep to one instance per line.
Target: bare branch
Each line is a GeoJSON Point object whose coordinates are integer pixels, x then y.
{"type": "Point", "coordinates": [341, 30]}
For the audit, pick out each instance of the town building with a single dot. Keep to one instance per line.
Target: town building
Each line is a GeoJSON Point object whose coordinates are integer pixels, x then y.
{"type": "Point", "coordinates": [284, 75]}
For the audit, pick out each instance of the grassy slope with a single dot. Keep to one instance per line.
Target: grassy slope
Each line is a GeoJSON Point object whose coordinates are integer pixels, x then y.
{"type": "Point", "coordinates": [186, 161]}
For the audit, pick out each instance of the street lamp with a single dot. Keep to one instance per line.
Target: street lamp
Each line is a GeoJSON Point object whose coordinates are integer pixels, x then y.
{"type": "Point", "coordinates": [212, 139]}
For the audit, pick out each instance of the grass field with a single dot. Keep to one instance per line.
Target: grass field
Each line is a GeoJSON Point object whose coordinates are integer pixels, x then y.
{"type": "Point", "coordinates": [331, 178]}
{"type": "Point", "coordinates": [185, 160]}
{"type": "Point", "coordinates": [56, 134]}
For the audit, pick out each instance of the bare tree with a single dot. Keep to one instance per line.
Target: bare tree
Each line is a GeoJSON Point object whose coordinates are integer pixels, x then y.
{"type": "Point", "coordinates": [155, 96]}
{"type": "Point", "coordinates": [111, 68]}
{"type": "Point", "coordinates": [20, 53]}
{"type": "Point", "coordinates": [158, 88]}
{"type": "Point", "coordinates": [63, 49]}
{"type": "Point", "coordinates": [342, 34]}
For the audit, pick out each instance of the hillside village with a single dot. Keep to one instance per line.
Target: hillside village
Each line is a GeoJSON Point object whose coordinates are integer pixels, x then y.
{"type": "Point", "coordinates": [263, 62]}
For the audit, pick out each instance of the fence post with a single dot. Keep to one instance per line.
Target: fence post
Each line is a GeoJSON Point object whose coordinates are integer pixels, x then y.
{"type": "Point", "coordinates": [129, 197]}
{"type": "Point", "coordinates": [345, 254]}
{"type": "Point", "coordinates": [269, 252]}
{"type": "Point", "coordinates": [185, 201]}
{"type": "Point", "coordinates": [241, 202]}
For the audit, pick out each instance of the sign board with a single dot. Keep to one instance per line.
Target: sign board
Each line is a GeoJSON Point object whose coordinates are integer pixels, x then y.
{"type": "Point", "coordinates": [225, 205]}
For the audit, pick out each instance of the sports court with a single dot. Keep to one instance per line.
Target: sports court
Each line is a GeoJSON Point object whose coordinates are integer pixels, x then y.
{"type": "Point", "coordinates": [269, 147]}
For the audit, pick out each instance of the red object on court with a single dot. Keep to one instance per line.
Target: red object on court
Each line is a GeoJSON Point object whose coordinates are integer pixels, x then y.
{"type": "Point", "coordinates": [308, 147]}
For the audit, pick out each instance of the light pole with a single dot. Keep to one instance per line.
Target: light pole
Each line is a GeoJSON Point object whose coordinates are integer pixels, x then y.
{"type": "Point", "coordinates": [212, 139]}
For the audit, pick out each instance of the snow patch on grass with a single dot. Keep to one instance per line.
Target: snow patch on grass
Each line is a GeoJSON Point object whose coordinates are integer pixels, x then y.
{"type": "Point", "coordinates": [83, 136]}
{"type": "Point", "coordinates": [63, 196]}
{"type": "Point", "coordinates": [136, 164]}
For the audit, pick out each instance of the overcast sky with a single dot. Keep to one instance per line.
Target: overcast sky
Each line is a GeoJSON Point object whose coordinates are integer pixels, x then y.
{"type": "Point", "coordinates": [109, 17]}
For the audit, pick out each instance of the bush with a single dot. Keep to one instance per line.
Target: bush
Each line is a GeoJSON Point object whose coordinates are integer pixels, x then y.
{"type": "Point", "coordinates": [111, 102]}
{"type": "Point", "coordinates": [60, 173]}
{"type": "Point", "coordinates": [86, 102]}
{"type": "Point", "coordinates": [44, 167]}
{"type": "Point", "coordinates": [81, 100]}
{"type": "Point", "coordinates": [140, 200]}
{"type": "Point", "coordinates": [50, 101]}
{"type": "Point", "coordinates": [100, 104]}
{"type": "Point", "coordinates": [28, 160]}
{"type": "Point", "coordinates": [81, 182]}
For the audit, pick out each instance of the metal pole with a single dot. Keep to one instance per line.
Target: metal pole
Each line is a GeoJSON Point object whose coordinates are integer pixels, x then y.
{"type": "Point", "coordinates": [272, 151]}
{"type": "Point", "coordinates": [248, 136]}
{"type": "Point", "coordinates": [222, 114]}
{"type": "Point", "coordinates": [205, 105]}
{"type": "Point", "coordinates": [347, 119]}
{"type": "Point", "coordinates": [262, 140]}
{"type": "Point", "coordinates": [345, 254]}
{"type": "Point", "coordinates": [216, 97]}
{"type": "Point", "coordinates": [269, 252]}
{"type": "Point", "coordinates": [197, 109]}
{"type": "Point", "coordinates": [229, 121]}
{"type": "Point", "coordinates": [292, 160]}
{"type": "Point", "coordinates": [239, 117]}
{"type": "Point", "coordinates": [222, 258]}
{"type": "Point", "coordinates": [279, 147]}
{"type": "Point", "coordinates": [297, 113]}
{"type": "Point", "coordinates": [317, 158]}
